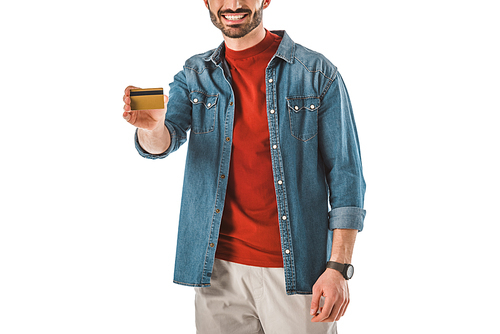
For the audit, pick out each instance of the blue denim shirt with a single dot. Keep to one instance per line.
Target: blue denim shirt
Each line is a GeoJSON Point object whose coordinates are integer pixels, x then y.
{"type": "Point", "coordinates": [314, 149]}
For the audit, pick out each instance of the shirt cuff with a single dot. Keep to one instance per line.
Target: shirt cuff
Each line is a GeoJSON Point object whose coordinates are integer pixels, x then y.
{"type": "Point", "coordinates": [148, 155]}
{"type": "Point", "coordinates": [347, 218]}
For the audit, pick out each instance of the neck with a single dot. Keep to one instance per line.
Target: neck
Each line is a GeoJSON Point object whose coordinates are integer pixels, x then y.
{"type": "Point", "coordinates": [251, 39]}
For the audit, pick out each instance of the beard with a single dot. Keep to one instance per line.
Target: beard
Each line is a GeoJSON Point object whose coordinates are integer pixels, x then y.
{"type": "Point", "coordinates": [237, 30]}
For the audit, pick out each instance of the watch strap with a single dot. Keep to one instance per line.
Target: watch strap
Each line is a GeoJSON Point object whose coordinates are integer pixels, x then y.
{"type": "Point", "coordinates": [336, 265]}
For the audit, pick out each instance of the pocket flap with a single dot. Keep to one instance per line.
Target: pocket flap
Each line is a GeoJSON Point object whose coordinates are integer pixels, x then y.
{"type": "Point", "coordinates": [209, 101]}
{"type": "Point", "coordinates": [300, 103]}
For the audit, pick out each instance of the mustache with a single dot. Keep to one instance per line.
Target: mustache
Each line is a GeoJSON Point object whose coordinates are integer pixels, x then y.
{"type": "Point", "coordinates": [238, 11]}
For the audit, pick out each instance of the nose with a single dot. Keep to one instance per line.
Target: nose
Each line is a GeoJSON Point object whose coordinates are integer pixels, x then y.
{"type": "Point", "coordinates": [233, 4]}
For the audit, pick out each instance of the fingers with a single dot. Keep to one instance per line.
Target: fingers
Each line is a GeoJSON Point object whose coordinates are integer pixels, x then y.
{"type": "Point", "coordinates": [335, 313]}
{"type": "Point", "coordinates": [127, 107]}
{"type": "Point", "coordinates": [130, 117]}
{"type": "Point", "coordinates": [334, 307]}
{"type": "Point", "coordinates": [325, 311]}
{"type": "Point", "coordinates": [126, 98]}
{"type": "Point", "coordinates": [344, 307]}
{"type": "Point", "coordinates": [339, 308]}
{"type": "Point", "coordinates": [126, 116]}
{"type": "Point", "coordinates": [342, 311]}
{"type": "Point", "coordinates": [315, 301]}
{"type": "Point", "coordinates": [127, 90]}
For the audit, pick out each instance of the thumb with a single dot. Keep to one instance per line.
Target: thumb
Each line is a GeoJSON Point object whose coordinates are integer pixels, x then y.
{"type": "Point", "coordinates": [126, 116]}
{"type": "Point", "coordinates": [315, 302]}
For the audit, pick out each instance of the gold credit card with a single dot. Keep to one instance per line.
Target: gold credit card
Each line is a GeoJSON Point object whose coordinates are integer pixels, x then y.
{"type": "Point", "coordinates": [149, 98]}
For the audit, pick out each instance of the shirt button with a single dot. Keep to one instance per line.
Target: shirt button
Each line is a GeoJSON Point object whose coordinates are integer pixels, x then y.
{"type": "Point", "coordinates": [217, 211]}
{"type": "Point", "coordinates": [209, 105]}
{"type": "Point", "coordinates": [296, 107]}
{"type": "Point", "coordinates": [270, 80]}
{"type": "Point", "coordinates": [275, 146]}
{"type": "Point", "coordinates": [280, 182]}
{"type": "Point", "coordinates": [272, 111]}
{"type": "Point", "coordinates": [231, 103]}
{"type": "Point", "coordinates": [287, 251]}
{"type": "Point", "coordinates": [195, 100]}
{"type": "Point", "coordinates": [312, 106]}
{"type": "Point", "coordinates": [222, 176]}
{"type": "Point", "coordinates": [228, 139]}
{"type": "Point", "coordinates": [212, 244]}
{"type": "Point", "coordinates": [284, 217]}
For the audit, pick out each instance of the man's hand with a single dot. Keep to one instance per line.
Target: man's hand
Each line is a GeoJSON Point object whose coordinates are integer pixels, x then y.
{"type": "Point", "coordinates": [143, 119]}
{"type": "Point", "coordinates": [333, 286]}
{"type": "Point", "coordinates": [153, 135]}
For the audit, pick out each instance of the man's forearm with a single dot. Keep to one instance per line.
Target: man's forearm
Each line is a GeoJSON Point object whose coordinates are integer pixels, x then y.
{"type": "Point", "coordinates": [343, 245]}
{"type": "Point", "coordinates": [154, 141]}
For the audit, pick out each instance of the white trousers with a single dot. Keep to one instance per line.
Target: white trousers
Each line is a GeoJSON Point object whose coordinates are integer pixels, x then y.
{"type": "Point", "coordinates": [249, 300]}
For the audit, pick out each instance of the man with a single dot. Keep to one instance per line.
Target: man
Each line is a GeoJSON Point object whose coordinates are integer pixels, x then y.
{"type": "Point", "coordinates": [272, 146]}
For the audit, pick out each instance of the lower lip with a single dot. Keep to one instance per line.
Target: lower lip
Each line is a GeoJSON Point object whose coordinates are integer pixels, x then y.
{"type": "Point", "coordinates": [234, 21]}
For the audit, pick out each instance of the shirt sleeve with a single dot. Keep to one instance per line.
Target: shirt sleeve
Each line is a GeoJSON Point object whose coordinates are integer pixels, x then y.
{"type": "Point", "coordinates": [339, 147]}
{"type": "Point", "coordinates": [177, 118]}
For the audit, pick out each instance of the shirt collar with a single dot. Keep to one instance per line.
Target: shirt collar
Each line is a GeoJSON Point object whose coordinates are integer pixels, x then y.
{"type": "Point", "coordinates": [285, 51]}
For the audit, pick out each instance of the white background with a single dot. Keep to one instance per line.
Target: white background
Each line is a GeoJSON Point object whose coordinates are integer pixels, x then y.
{"type": "Point", "coordinates": [88, 227]}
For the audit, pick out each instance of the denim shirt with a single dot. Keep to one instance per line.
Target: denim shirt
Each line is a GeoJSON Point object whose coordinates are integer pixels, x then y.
{"type": "Point", "coordinates": [314, 150]}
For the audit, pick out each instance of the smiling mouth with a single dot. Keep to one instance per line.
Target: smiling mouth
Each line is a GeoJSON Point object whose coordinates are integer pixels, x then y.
{"type": "Point", "coordinates": [234, 17]}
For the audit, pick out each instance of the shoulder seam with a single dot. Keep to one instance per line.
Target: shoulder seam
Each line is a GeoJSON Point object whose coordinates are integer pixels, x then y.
{"type": "Point", "coordinates": [192, 69]}
{"type": "Point", "coordinates": [331, 79]}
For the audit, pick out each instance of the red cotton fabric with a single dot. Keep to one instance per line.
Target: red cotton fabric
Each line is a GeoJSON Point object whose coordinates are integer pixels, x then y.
{"type": "Point", "coordinates": [249, 232]}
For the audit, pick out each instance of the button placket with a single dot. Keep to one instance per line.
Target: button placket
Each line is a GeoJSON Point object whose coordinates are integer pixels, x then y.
{"type": "Point", "coordinates": [284, 220]}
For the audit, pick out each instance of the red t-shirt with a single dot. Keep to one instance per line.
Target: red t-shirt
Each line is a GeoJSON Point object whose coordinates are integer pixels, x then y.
{"type": "Point", "coordinates": [249, 232]}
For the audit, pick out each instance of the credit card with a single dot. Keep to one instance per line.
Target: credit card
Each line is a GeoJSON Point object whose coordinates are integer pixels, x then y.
{"type": "Point", "coordinates": [148, 98]}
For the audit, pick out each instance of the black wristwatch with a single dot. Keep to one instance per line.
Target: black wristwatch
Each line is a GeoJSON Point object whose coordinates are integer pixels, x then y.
{"type": "Point", "coordinates": [347, 270]}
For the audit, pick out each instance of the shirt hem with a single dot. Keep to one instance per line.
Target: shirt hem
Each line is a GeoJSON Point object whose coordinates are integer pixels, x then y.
{"type": "Point", "coordinates": [192, 284]}
{"type": "Point", "coordinates": [246, 263]}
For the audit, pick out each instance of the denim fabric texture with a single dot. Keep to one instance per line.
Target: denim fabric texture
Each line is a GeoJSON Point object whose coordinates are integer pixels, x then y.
{"type": "Point", "coordinates": [314, 149]}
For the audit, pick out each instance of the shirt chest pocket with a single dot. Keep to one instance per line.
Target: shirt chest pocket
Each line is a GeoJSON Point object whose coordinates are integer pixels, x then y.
{"type": "Point", "coordinates": [203, 112]}
{"type": "Point", "coordinates": [303, 114]}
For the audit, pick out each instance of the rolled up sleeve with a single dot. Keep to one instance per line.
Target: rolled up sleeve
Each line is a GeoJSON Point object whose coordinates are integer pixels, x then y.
{"type": "Point", "coordinates": [169, 150]}
{"type": "Point", "coordinates": [347, 218]}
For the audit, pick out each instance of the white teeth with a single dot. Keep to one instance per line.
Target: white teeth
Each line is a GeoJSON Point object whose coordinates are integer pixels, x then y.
{"type": "Point", "coordinates": [234, 17]}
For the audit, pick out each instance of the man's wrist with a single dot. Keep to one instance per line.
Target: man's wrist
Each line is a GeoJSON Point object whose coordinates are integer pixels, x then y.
{"type": "Point", "coordinates": [345, 269]}
{"type": "Point", "coordinates": [158, 129]}
{"type": "Point", "coordinates": [343, 245]}
{"type": "Point", "coordinates": [155, 141]}
{"type": "Point", "coordinates": [341, 258]}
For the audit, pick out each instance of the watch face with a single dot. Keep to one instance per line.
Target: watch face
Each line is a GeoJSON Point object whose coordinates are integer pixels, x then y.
{"type": "Point", "coordinates": [350, 272]}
